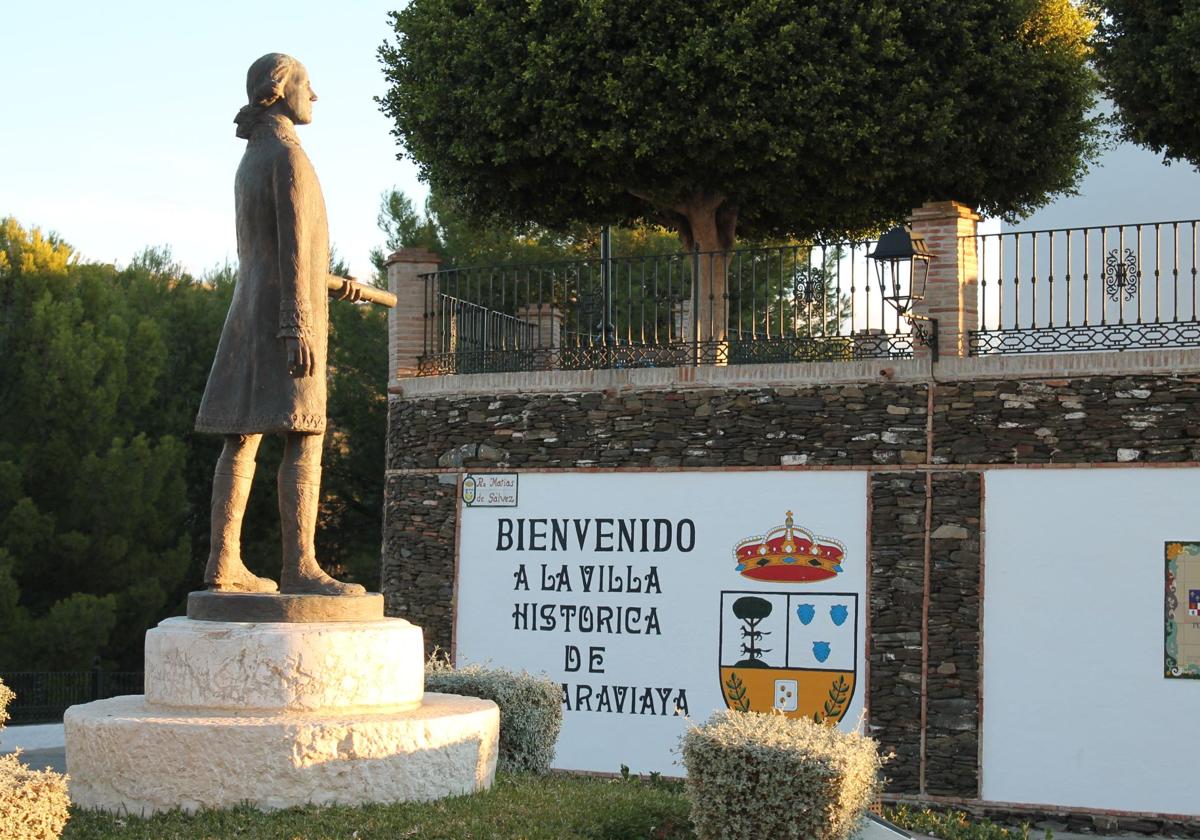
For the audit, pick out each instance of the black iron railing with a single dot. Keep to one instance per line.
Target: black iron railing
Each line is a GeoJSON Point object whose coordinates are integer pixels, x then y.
{"type": "Point", "coordinates": [43, 696]}
{"type": "Point", "coordinates": [1119, 287]}
{"type": "Point", "coordinates": [475, 336]}
{"type": "Point", "coordinates": [757, 305]}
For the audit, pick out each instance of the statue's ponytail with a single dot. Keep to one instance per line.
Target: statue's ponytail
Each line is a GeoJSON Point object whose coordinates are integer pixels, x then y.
{"type": "Point", "coordinates": [264, 87]}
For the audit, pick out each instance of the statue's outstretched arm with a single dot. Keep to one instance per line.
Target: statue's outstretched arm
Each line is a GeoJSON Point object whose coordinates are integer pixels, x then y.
{"type": "Point", "coordinates": [347, 288]}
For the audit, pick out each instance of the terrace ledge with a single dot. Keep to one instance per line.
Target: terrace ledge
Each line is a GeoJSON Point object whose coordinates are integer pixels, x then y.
{"type": "Point", "coordinates": [1182, 361]}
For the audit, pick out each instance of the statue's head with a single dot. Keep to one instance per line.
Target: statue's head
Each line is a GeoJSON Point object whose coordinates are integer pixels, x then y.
{"type": "Point", "coordinates": [276, 83]}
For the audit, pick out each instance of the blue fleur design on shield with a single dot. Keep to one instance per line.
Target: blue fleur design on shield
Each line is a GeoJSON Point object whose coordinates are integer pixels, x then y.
{"type": "Point", "coordinates": [839, 613]}
{"type": "Point", "coordinates": [806, 613]}
{"type": "Point", "coordinates": [821, 651]}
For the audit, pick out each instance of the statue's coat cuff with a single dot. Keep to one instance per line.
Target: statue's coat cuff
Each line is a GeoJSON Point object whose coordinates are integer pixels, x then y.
{"type": "Point", "coordinates": [295, 319]}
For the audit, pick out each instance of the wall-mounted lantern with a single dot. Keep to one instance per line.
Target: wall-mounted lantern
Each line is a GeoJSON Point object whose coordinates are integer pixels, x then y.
{"type": "Point", "coordinates": [902, 266]}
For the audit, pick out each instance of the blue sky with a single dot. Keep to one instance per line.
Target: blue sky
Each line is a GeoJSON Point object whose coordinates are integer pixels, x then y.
{"type": "Point", "coordinates": [118, 127]}
{"type": "Point", "coordinates": [118, 120]}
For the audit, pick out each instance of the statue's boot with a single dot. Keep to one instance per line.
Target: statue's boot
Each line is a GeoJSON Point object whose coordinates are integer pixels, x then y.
{"type": "Point", "coordinates": [299, 498]}
{"type": "Point", "coordinates": [225, 571]}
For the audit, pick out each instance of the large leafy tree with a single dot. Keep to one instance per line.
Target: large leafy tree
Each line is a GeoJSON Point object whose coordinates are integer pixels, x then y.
{"type": "Point", "coordinates": [1150, 60]}
{"type": "Point", "coordinates": [764, 118]}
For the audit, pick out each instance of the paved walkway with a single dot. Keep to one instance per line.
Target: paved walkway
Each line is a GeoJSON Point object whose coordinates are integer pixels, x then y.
{"type": "Point", "coordinates": [41, 745]}
{"type": "Point", "coordinates": [54, 759]}
{"type": "Point", "coordinates": [39, 736]}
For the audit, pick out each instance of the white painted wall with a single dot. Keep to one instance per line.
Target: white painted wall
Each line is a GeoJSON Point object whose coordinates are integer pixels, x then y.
{"type": "Point", "coordinates": [1076, 709]}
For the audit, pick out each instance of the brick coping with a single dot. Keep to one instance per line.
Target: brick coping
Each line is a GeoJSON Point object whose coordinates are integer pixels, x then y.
{"type": "Point", "coordinates": [1043, 366]}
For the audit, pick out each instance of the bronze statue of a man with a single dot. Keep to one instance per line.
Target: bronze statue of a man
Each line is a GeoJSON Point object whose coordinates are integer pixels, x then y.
{"type": "Point", "coordinates": [269, 371]}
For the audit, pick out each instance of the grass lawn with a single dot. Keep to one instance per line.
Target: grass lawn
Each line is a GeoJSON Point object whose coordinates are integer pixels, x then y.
{"type": "Point", "coordinates": [518, 807]}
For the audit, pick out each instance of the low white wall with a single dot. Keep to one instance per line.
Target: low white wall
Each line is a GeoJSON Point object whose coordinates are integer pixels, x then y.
{"type": "Point", "coordinates": [1076, 709]}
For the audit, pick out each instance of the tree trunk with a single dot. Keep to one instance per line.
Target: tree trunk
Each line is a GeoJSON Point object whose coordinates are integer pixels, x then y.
{"type": "Point", "coordinates": [706, 222]}
{"type": "Point", "coordinates": [707, 225]}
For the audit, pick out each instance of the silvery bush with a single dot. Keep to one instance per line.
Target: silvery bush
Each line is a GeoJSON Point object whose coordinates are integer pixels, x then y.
{"type": "Point", "coordinates": [767, 775]}
{"type": "Point", "coordinates": [530, 709]}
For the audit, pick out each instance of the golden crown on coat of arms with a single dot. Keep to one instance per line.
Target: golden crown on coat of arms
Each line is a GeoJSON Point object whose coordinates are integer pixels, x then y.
{"type": "Point", "coordinates": [789, 554]}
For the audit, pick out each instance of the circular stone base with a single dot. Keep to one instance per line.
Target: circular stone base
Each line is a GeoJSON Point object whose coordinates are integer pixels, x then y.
{"type": "Point", "coordinates": [277, 667]}
{"type": "Point", "coordinates": [125, 756]}
{"type": "Point", "coordinates": [258, 608]}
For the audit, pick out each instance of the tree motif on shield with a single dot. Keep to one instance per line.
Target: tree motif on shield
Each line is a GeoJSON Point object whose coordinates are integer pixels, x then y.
{"type": "Point", "coordinates": [810, 668]}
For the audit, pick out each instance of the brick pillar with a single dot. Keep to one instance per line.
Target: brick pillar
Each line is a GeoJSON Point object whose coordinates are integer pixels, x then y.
{"type": "Point", "coordinates": [408, 318]}
{"type": "Point", "coordinates": [547, 319]}
{"type": "Point", "coordinates": [681, 315]}
{"type": "Point", "coordinates": [952, 293]}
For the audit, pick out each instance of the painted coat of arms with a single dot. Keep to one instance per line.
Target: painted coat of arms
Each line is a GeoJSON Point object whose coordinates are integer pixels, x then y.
{"type": "Point", "coordinates": [794, 651]}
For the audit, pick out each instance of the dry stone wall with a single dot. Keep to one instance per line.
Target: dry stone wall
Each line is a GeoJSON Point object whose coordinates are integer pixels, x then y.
{"type": "Point", "coordinates": [953, 635]}
{"type": "Point", "coordinates": [1100, 419]}
{"type": "Point", "coordinates": [894, 648]}
{"type": "Point", "coordinates": [837, 425]}
{"type": "Point", "coordinates": [926, 501]}
{"type": "Point", "coordinates": [420, 519]}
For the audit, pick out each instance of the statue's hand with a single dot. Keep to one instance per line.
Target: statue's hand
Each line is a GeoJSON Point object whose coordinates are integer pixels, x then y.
{"type": "Point", "coordinates": [299, 356]}
{"type": "Point", "coordinates": [349, 290]}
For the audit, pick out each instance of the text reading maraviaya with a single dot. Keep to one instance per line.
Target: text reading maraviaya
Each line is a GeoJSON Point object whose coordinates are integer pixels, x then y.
{"type": "Point", "coordinates": [600, 534]}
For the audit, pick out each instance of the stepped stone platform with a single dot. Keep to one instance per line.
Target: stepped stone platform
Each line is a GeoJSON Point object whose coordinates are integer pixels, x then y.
{"type": "Point", "coordinates": [279, 714]}
{"type": "Point", "coordinates": [125, 755]}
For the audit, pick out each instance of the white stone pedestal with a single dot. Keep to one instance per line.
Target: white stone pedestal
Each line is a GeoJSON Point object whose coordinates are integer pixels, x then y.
{"type": "Point", "coordinates": [279, 715]}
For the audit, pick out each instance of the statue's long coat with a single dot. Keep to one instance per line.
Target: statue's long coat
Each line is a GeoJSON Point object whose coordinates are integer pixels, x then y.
{"type": "Point", "coordinates": [283, 259]}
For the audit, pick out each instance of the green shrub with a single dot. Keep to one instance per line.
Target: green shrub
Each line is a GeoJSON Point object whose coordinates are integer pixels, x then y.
{"type": "Point", "coordinates": [766, 775]}
{"type": "Point", "coordinates": [954, 825]}
{"type": "Point", "coordinates": [33, 804]}
{"type": "Point", "coordinates": [530, 709]}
